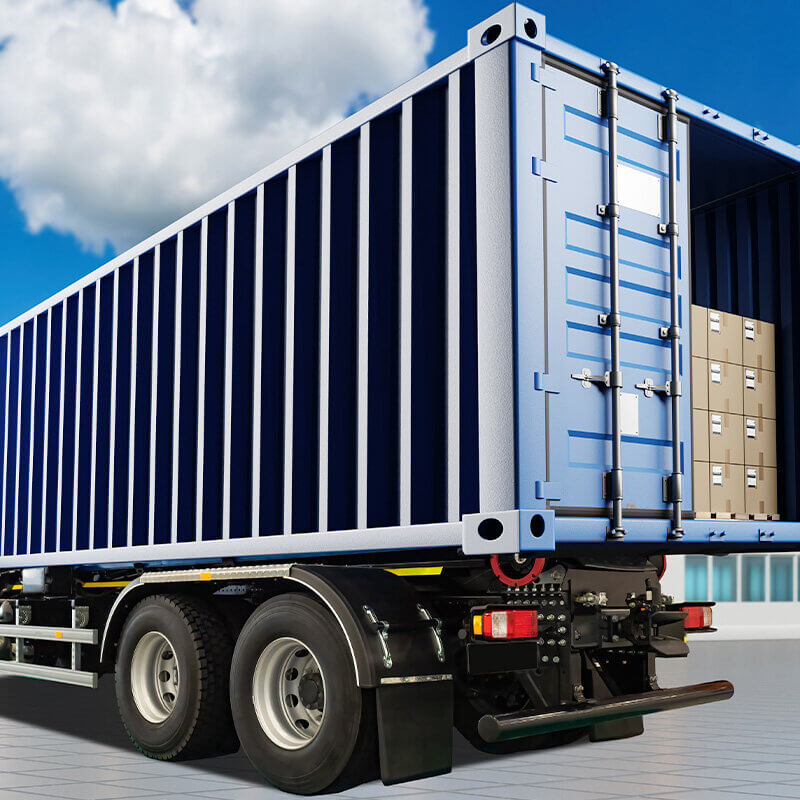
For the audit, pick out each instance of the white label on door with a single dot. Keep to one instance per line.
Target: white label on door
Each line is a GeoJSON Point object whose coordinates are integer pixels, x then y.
{"type": "Point", "coordinates": [639, 190]}
{"type": "Point", "coordinates": [629, 414]}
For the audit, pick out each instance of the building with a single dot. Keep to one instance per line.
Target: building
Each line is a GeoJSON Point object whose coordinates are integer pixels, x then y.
{"type": "Point", "coordinates": [756, 595]}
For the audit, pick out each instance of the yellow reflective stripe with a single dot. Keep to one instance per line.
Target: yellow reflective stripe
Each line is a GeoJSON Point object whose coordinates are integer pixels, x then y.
{"type": "Point", "coordinates": [16, 587]}
{"type": "Point", "coordinates": [105, 584]}
{"type": "Point", "coordinates": [410, 572]}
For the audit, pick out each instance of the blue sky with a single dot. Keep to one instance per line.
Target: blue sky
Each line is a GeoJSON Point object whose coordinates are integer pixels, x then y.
{"type": "Point", "coordinates": [732, 55]}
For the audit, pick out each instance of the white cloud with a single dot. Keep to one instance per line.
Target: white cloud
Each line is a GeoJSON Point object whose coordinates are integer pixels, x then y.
{"type": "Point", "coordinates": [114, 122]}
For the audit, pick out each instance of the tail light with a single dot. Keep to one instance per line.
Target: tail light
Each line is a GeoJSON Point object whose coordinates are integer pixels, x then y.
{"type": "Point", "coordinates": [514, 623]}
{"type": "Point", "coordinates": [697, 617]}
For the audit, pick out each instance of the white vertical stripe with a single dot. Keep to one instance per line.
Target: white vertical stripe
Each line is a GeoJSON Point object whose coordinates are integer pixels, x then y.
{"type": "Point", "coordinates": [151, 483]}
{"type": "Point", "coordinates": [453, 290]}
{"type": "Point", "coordinates": [95, 375]}
{"type": "Point", "coordinates": [324, 334]}
{"type": "Point", "coordinates": [258, 350]}
{"type": "Point", "coordinates": [288, 402]}
{"type": "Point", "coordinates": [132, 408]}
{"type": "Point", "coordinates": [228, 407]}
{"type": "Point", "coordinates": [19, 426]}
{"type": "Point", "coordinates": [46, 439]}
{"type": "Point", "coordinates": [61, 425]}
{"type": "Point", "coordinates": [19, 432]}
{"type": "Point", "coordinates": [176, 388]}
{"type": "Point", "coordinates": [405, 310]}
{"type": "Point", "coordinates": [32, 429]}
{"type": "Point", "coordinates": [5, 441]}
{"type": "Point", "coordinates": [201, 375]}
{"type": "Point", "coordinates": [363, 327]}
{"type": "Point", "coordinates": [112, 439]}
{"type": "Point", "coordinates": [76, 454]}
{"type": "Point", "coordinates": [19, 429]}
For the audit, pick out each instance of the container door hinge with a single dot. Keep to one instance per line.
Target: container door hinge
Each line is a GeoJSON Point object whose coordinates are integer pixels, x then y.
{"type": "Point", "coordinates": [540, 74]}
{"type": "Point", "coordinates": [672, 488]}
{"type": "Point", "coordinates": [543, 382]}
{"type": "Point", "coordinates": [547, 490]}
{"type": "Point", "coordinates": [543, 169]}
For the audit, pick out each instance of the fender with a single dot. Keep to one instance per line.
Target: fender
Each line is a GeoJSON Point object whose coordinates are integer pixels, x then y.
{"type": "Point", "coordinates": [389, 633]}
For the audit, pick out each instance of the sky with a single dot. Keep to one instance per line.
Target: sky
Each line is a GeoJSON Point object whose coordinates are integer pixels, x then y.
{"type": "Point", "coordinates": [119, 116]}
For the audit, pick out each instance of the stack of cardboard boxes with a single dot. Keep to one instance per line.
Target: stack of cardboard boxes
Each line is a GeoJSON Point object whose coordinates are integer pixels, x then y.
{"type": "Point", "coordinates": [733, 416]}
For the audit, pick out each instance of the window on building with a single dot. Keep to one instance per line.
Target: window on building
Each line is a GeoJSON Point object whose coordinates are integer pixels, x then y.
{"type": "Point", "coordinates": [696, 578]}
{"type": "Point", "coordinates": [724, 579]}
{"type": "Point", "coordinates": [781, 588]}
{"type": "Point", "coordinates": [754, 579]}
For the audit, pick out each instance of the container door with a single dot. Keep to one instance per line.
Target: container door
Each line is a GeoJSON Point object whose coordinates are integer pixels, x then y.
{"type": "Point", "coordinates": [577, 292]}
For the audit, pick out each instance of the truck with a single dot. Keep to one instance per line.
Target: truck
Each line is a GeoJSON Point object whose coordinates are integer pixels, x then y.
{"type": "Point", "coordinates": [395, 436]}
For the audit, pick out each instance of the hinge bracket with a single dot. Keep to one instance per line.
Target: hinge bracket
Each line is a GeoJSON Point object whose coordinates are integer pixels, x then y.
{"type": "Point", "coordinates": [544, 382]}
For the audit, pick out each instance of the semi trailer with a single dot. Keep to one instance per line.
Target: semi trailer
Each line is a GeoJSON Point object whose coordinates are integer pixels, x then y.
{"type": "Point", "coordinates": [395, 436]}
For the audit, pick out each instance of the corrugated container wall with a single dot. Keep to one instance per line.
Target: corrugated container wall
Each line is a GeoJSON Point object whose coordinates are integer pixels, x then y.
{"type": "Point", "coordinates": [251, 375]}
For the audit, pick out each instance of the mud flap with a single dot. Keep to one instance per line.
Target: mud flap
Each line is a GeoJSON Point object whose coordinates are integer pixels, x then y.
{"type": "Point", "coordinates": [415, 729]}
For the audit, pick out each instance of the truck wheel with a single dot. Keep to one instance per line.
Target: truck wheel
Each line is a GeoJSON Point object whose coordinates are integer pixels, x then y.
{"type": "Point", "coordinates": [173, 665]}
{"type": "Point", "coordinates": [301, 718]}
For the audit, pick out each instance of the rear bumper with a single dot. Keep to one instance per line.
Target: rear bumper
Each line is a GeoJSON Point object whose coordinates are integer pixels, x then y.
{"type": "Point", "coordinates": [496, 728]}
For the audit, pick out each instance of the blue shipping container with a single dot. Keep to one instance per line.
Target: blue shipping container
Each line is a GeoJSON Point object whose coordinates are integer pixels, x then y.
{"type": "Point", "coordinates": [403, 335]}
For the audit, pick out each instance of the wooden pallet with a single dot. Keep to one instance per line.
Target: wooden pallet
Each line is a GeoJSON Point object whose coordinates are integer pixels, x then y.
{"type": "Point", "coordinates": [722, 515]}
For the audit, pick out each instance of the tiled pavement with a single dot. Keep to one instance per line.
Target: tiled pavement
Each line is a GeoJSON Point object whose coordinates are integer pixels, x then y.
{"type": "Point", "coordinates": [66, 742]}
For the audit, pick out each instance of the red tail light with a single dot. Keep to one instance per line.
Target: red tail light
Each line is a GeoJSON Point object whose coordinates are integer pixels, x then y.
{"type": "Point", "coordinates": [697, 617]}
{"type": "Point", "coordinates": [514, 623]}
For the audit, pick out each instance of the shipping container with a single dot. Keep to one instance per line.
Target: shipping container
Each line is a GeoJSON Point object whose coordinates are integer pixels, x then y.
{"type": "Point", "coordinates": [449, 337]}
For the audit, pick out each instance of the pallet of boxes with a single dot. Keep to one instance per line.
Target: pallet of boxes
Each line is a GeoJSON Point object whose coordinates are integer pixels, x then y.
{"type": "Point", "coordinates": [734, 438]}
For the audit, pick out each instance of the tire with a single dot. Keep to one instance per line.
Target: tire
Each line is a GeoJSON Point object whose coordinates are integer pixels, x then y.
{"type": "Point", "coordinates": [302, 720]}
{"type": "Point", "coordinates": [187, 715]}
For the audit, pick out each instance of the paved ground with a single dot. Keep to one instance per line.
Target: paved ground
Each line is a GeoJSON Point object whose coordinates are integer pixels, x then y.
{"type": "Point", "coordinates": [66, 742]}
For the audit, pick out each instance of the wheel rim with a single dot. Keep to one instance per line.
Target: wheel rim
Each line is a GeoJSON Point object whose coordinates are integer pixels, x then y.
{"type": "Point", "coordinates": [155, 677]}
{"type": "Point", "coordinates": [289, 693]}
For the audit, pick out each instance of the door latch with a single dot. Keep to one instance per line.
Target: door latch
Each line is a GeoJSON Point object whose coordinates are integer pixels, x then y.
{"type": "Point", "coordinates": [649, 388]}
{"type": "Point", "coordinates": [587, 379]}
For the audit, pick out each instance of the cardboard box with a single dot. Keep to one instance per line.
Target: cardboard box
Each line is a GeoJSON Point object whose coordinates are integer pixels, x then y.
{"type": "Point", "coordinates": [699, 332]}
{"type": "Point", "coordinates": [725, 437]}
{"type": "Point", "coordinates": [759, 392]}
{"type": "Point", "coordinates": [758, 344]}
{"type": "Point", "coordinates": [725, 387]}
{"type": "Point", "coordinates": [724, 337]}
{"type": "Point", "coordinates": [726, 484]}
{"type": "Point", "coordinates": [700, 435]}
{"type": "Point", "coordinates": [761, 490]}
{"type": "Point", "coordinates": [699, 383]}
{"type": "Point", "coordinates": [760, 442]}
{"type": "Point", "coordinates": [701, 500]}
